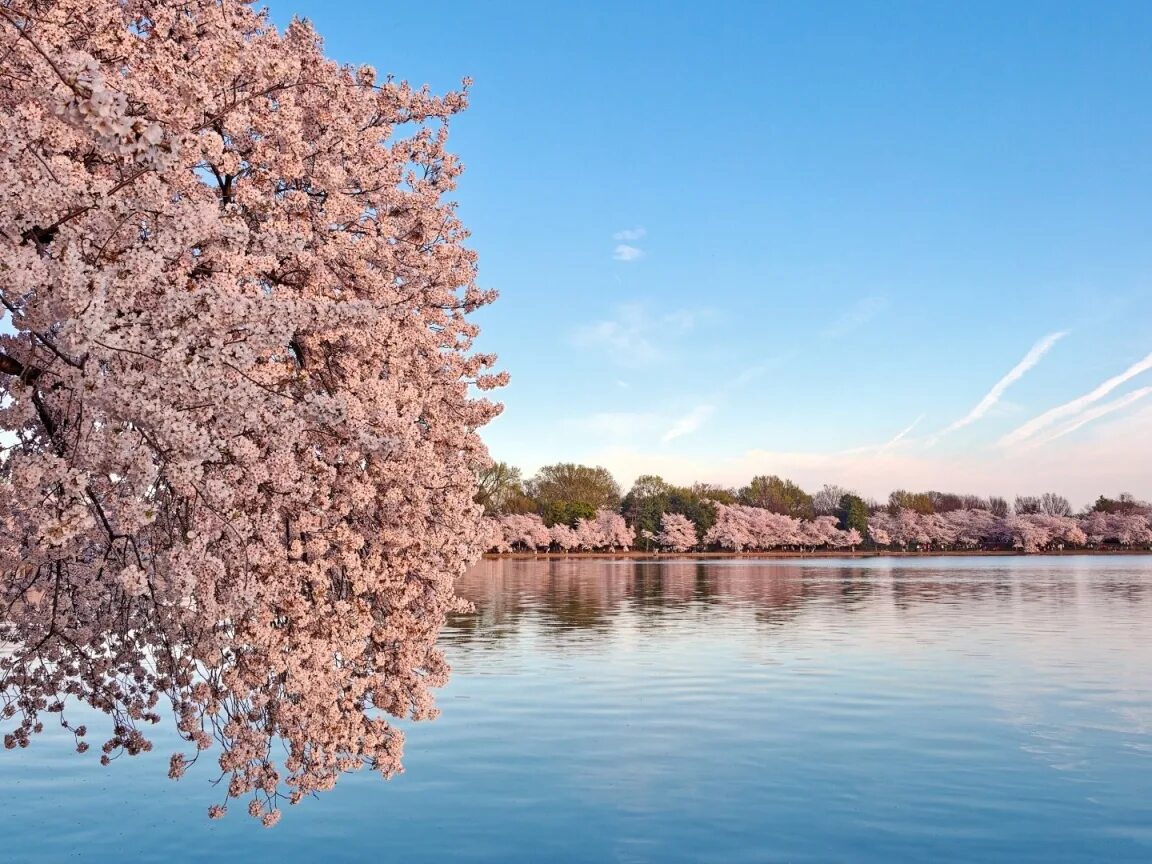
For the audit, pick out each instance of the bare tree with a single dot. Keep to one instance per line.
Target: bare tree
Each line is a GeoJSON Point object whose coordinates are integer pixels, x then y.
{"type": "Point", "coordinates": [827, 501]}
{"type": "Point", "coordinates": [1055, 505]}
{"type": "Point", "coordinates": [1026, 505]}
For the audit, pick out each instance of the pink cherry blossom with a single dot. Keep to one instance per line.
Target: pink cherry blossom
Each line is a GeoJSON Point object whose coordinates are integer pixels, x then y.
{"type": "Point", "coordinates": [564, 537]}
{"type": "Point", "coordinates": [239, 389]}
{"type": "Point", "coordinates": [613, 530]}
{"type": "Point", "coordinates": [677, 532]}
{"type": "Point", "coordinates": [523, 531]}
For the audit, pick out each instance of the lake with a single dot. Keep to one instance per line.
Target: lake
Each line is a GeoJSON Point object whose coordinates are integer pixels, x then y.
{"type": "Point", "coordinates": [928, 709]}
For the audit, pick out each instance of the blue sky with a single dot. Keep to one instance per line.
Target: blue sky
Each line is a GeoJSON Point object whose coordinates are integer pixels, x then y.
{"type": "Point", "coordinates": [749, 237]}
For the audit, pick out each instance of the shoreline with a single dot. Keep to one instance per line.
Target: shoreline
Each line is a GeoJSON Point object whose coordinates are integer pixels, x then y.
{"type": "Point", "coordinates": [785, 555]}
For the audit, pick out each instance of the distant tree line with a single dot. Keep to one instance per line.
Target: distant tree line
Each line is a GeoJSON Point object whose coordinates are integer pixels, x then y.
{"type": "Point", "coordinates": [567, 507]}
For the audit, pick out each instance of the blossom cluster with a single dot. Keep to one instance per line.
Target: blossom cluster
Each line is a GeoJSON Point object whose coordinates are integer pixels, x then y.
{"type": "Point", "coordinates": [95, 108]}
{"type": "Point", "coordinates": [677, 532]}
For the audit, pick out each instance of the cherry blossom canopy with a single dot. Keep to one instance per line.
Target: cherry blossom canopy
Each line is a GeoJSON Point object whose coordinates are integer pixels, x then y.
{"type": "Point", "coordinates": [239, 434]}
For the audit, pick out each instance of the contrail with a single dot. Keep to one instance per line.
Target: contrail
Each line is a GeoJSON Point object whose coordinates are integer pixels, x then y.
{"type": "Point", "coordinates": [900, 435]}
{"type": "Point", "coordinates": [1034, 355]}
{"type": "Point", "coordinates": [1076, 405]}
{"type": "Point", "coordinates": [1098, 412]}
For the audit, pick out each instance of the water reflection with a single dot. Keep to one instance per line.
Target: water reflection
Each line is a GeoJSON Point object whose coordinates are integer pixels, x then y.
{"type": "Point", "coordinates": [286, 684]}
{"type": "Point", "coordinates": [578, 594]}
{"type": "Point", "coordinates": [721, 710]}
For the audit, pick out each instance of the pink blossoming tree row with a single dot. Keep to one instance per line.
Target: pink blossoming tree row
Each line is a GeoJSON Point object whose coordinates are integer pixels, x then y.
{"type": "Point", "coordinates": [606, 530]}
{"type": "Point", "coordinates": [237, 401]}
{"type": "Point", "coordinates": [741, 528]}
{"type": "Point", "coordinates": [771, 513]}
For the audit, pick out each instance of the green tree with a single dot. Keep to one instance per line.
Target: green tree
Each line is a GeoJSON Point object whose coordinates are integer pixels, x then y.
{"type": "Point", "coordinates": [945, 502]}
{"type": "Point", "coordinates": [651, 497]}
{"type": "Point", "coordinates": [852, 512]}
{"type": "Point", "coordinates": [719, 494]}
{"type": "Point", "coordinates": [566, 512]}
{"type": "Point", "coordinates": [566, 492]}
{"type": "Point", "coordinates": [497, 485]}
{"type": "Point", "coordinates": [1126, 503]}
{"type": "Point", "coordinates": [918, 502]}
{"type": "Point", "coordinates": [701, 509]}
{"type": "Point", "coordinates": [778, 495]}
{"type": "Point", "coordinates": [645, 502]}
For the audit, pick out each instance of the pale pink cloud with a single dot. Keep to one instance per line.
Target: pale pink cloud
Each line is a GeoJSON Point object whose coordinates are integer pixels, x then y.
{"type": "Point", "coordinates": [1109, 459]}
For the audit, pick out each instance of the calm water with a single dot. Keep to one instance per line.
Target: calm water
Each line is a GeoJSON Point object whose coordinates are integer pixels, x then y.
{"type": "Point", "coordinates": [924, 710]}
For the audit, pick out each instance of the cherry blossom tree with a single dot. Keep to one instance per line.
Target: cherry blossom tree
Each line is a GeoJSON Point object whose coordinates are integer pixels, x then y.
{"type": "Point", "coordinates": [879, 533]}
{"type": "Point", "coordinates": [776, 530]}
{"type": "Point", "coordinates": [236, 389]}
{"type": "Point", "coordinates": [941, 531]}
{"type": "Point", "coordinates": [589, 535]}
{"type": "Point", "coordinates": [564, 537]}
{"type": "Point", "coordinates": [677, 532]}
{"type": "Point", "coordinates": [822, 531]}
{"type": "Point", "coordinates": [526, 531]}
{"type": "Point", "coordinates": [1095, 526]}
{"type": "Point", "coordinates": [1129, 529]}
{"type": "Point", "coordinates": [884, 524]}
{"type": "Point", "coordinates": [492, 535]}
{"type": "Point", "coordinates": [1063, 530]}
{"type": "Point", "coordinates": [910, 529]}
{"type": "Point", "coordinates": [730, 530]}
{"type": "Point", "coordinates": [973, 528]}
{"type": "Point", "coordinates": [1027, 533]}
{"type": "Point", "coordinates": [613, 530]}
{"type": "Point", "coordinates": [881, 528]}
{"type": "Point", "coordinates": [739, 527]}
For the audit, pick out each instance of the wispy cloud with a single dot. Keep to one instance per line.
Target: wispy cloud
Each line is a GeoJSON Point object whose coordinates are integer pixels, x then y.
{"type": "Point", "coordinates": [626, 248]}
{"type": "Point", "coordinates": [618, 425]}
{"type": "Point", "coordinates": [744, 377]}
{"type": "Point", "coordinates": [634, 336]}
{"type": "Point", "coordinates": [855, 316]}
{"type": "Point", "coordinates": [1069, 409]}
{"type": "Point", "coordinates": [689, 423]}
{"type": "Point", "coordinates": [630, 235]}
{"type": "Point", "coordinates": [630, 428]}
{"type": "Point", "coordinates": [1100, 411]}
{"type": "Point", "coordinates": [1034, 355]}
{"type": "Point", "coordinates": [624, 252]}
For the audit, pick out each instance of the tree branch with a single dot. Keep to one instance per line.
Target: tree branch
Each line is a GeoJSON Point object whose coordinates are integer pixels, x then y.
{"type": "Point", "coordinates": [9, 365]}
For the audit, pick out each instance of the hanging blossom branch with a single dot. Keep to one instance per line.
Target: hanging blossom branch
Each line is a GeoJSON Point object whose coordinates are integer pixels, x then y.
{"type": "Point", "coordinates": [242, 496]}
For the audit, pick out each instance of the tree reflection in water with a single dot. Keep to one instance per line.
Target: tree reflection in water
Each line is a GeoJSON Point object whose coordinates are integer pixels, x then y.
{"type": "Point", "coordinates": [288, 706]}
{"type": "Point", "coordinates": [291, 688]}
{"type": "Point", "coordinates": [588, 593]}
